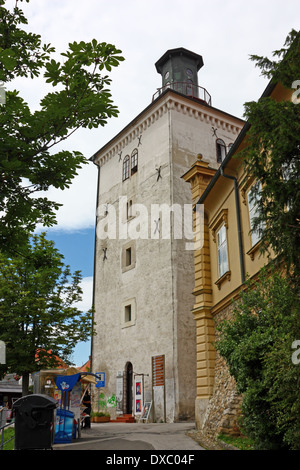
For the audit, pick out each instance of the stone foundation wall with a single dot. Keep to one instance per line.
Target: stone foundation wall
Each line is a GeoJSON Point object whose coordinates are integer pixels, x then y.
{"type": "Point", "coordinates": [224, 407]}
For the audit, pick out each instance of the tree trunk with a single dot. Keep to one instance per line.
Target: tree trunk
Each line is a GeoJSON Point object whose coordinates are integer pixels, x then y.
{"type": "Point", "coordinates": [25, 384]}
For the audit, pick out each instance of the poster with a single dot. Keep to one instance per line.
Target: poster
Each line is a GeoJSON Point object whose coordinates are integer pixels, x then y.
{"type": "Point", "coordinates": [146, 410]}
{"type": "Point", "coordinates": [119, 392]}
{"type": "Point", "coordinates": [138, 395]}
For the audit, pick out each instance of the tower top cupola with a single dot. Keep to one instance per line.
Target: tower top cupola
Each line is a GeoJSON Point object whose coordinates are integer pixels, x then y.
{"type": "Point", "coordinates": [179, 70]}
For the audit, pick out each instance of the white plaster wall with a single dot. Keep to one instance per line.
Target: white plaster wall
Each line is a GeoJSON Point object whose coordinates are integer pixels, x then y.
{"type": "Point", "coordinates": [173, 132]}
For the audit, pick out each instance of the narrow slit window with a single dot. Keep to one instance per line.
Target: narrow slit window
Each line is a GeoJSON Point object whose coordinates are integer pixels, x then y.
{"type": "Point", "coordinates": [127, 313]}
{"type": "Point", "coordinates": [129, 209]}
{"type": "Point", "coordinates": [128, 257]}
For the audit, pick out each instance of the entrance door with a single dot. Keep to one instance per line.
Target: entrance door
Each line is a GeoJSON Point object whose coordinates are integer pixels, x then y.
{"type": "Point", "coordinates": [128, 396]}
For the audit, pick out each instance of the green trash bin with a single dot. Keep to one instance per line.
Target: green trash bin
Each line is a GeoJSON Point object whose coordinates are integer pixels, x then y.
{"type": "Point", "coordinates": [35, 418]}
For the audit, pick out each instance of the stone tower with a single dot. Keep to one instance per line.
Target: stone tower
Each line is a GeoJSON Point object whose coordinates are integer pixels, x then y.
{"type": "Point", "coordinates": [144, 266]}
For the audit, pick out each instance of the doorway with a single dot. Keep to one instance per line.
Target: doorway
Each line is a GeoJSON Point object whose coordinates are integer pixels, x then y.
{"type": "Point", "coordinates": [128, 388]}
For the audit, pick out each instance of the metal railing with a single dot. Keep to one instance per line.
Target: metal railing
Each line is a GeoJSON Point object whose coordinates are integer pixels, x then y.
{"type": "Point", "coordinates": [186, 88]}
{"type": "Point", "coordinates": [3, 426]}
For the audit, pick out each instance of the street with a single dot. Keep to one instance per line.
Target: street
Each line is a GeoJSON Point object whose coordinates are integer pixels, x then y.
{"type": "Point", "coordinates": [134, 436]}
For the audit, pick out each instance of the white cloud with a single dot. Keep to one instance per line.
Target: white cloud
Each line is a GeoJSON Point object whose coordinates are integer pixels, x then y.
{"type": "Point", "coordinates": [87, 296]}
{"type": "Point", "coordinates": [79, 201]}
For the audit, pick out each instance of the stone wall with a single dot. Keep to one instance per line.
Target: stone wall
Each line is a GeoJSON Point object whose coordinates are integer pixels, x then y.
{"type": "Point", "coordinates": [224, 407]}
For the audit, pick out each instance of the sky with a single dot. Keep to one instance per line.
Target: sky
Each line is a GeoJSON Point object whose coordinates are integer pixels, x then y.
{"type": "Point", "coordinates": [224, 32]}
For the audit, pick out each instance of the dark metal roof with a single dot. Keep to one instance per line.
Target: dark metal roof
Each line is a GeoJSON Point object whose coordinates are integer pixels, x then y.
{"type": "Point", "coordinates": [177, 52]}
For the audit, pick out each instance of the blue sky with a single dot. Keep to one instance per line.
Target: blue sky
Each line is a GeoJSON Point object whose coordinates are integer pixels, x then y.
{"type": "Point", "coordinates": [78, 250]}
{"type": "Point", "coordinates": [224, 32]}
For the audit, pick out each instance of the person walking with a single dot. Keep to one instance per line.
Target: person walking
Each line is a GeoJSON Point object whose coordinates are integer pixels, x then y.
{"type": "Point", "coordinates": [88, 409]}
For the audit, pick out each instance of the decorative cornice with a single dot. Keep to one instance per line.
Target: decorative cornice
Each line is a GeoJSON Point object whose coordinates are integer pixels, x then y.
{"type": "Point", "coordinates": [153, 113]}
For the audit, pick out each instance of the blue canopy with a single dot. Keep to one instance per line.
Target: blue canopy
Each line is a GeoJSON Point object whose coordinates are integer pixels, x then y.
{"type": "Point", "coordinates": [65, 383]}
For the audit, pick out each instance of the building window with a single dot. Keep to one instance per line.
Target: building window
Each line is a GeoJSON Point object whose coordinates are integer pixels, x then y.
{"type": "Point", "coordinates": [128, 313]}
{"type": "Point", "coordinates": [219, 227]}
{"type": "Point", "coordinates": [134, 161]}
{"type": "Point", "coordinates": [253, 200]}
{"type": "Point", "coordinates": [126, 168]}
{"type": "Point", "coordinates": [129, 209]}
{"type": "Point", "coordinates": [289, 175]}
{"type": "Point", "coordinates": [221, 150]}
{"type": "Point", "coordinates": [222, 251]}
{"type": "Point", "coordinates": [128, 256]}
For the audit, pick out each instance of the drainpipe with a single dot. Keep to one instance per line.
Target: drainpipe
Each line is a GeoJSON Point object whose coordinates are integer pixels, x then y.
{"type": "Point", "coordinates": [239, 224]}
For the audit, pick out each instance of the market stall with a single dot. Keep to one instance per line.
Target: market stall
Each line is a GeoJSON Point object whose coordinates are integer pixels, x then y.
{"type": "Point", "coordinates": [69, 387]}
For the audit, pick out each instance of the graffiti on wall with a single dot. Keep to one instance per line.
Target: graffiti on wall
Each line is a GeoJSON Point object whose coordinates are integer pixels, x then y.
{"type": "Point", "coordinates": [105, 402]}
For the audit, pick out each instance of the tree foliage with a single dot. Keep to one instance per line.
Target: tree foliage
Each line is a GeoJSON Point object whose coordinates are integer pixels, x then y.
{"type": "Point", "coordinates": [257, 345]}
{"type": "Point", "coordinates": [272, 156]}
{"type": "Point", "coordinates": [80, 99]}
{"type": "Point", "coordinates": [38, 312]}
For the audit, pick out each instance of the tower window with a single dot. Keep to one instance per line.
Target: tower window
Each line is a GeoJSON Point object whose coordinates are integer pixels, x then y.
{"type": "Point", "coordinates": [128, 316]}
{"type": "Point", "coordinates": [128, 257]}
{"type": "Point", "coordinates": [126, 162]}
{"type": "Point", "coordinates": [127, 313]}
{"type": "Point", "coordinates": [129, 209]}
{"type": "Point", "coordinates": [221, 150]}
{"type": "Point", "coordinates": [134, 161]}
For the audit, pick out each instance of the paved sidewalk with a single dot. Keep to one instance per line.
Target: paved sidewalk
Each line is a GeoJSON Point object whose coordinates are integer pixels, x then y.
{"type": "Point", "coordinates": [134, 436]}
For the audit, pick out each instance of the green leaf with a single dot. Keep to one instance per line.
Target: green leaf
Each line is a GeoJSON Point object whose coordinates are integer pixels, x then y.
{"type": "Point", "coordinates": [7, 57]}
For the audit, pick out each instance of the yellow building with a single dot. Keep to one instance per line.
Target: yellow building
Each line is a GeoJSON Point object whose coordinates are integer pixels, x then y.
{"type": "Point", "coordinates": [229, 254]}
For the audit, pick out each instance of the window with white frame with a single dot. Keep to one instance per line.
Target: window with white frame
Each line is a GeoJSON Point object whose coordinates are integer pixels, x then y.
{"type": "Point", "coordinates": [221, 237]}
{"type": "Point", "coordinates": [253, 200]}
{"type": "Point", "coordinates": [289, 175]}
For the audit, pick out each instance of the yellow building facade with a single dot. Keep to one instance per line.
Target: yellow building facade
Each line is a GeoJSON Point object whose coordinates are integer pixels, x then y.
{"type": "Point", "coordinates": [229, 254]}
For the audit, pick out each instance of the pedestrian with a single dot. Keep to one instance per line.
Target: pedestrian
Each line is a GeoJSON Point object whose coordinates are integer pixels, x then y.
{"type": "Point", "coordinates": [88, 409]}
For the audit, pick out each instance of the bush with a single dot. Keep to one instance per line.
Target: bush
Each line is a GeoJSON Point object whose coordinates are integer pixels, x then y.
{"type": "Point", "coordinates": [257, 346]}
{"type": "Point", "coordinates": [99, 414]}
